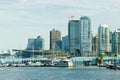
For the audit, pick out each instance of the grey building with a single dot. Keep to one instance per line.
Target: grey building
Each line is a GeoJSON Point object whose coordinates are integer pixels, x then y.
{"type": "Point", "coordinates": [111, 33]}
{"type": "Point", "coordinates": [95, 45]}
{"type": "Point", "coordinates": [58, 45]}
{"type": "Point", "coordinates": [55, 35]}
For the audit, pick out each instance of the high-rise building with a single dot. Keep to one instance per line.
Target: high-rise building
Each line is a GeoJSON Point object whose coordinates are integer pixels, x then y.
{"type": "Point", "coordinates": [85, 36]}
{"type": "Point", "coordinates": [95, 45]}
{"type": "Point", "coordinates": [80, 37]}
{"type": "Point", "coordinates": [65, 43]}
{"type": "Point", "coordinates": [116, 42]}
{"type": "Point", "coordinates": [55, 35]}
{"type": "Point", "coordinates": [74, 37]}
{"type": "Point", "coordinates": [35, 43]}
{"type": "Point", "coordinates": [103, 39]}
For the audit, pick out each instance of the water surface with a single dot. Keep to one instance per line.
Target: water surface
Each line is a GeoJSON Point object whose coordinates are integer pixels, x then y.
{"type": "Point", "coordinates": [58, 73]}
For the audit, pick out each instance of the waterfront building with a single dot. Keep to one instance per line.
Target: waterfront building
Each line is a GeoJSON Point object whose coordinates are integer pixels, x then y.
{"type": "Point", "coordinates": [74, 37]}
{"type": "Point", "coordinates": [80, 37]}
{"type": "Point", "coordinates": [5, 54]}
{"type": "Point", "coordinates": [65, 43]}
{"type": "Point", "coordinates": [116, 42]}
{"type": "Point", "coordinates": [35, 43]}
{"type": "Point", "coordinates": [58, 45]}
{"type": "Point", "coordinates": [103, 39]}
{"type": "Point", "coordinates": [85, 36]}
{"type": "Point", "coordinates": [95, 45]}
{"type": "Point", "coordinates": [55, 35]}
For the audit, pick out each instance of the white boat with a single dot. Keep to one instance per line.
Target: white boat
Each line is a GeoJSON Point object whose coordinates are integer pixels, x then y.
{"type": "Point", "coordinates": [64, 63]}
{"type": "Point", "coordinates": [35, 64]}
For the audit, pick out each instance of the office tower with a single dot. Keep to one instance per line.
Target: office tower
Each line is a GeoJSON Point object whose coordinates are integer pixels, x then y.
{"type": "Point", "coordinates": [65, 43]}
{"type": "Point", "coordinates": [103, 39]}
{"type": "Point", "coordinates": [74, 37]}
{"type": "Point", "coordinates": [80, 37]}
{"type": "Point", "coordinates": [95, 45]}
{"type": "Point", "coordinates": [55, 35]}
{"type": "Point", "coordinates": [85, 36]}
{"type": "Point", "coordinates": [35, 43]}
{"type": "Point", "coordinates": [116, 42]}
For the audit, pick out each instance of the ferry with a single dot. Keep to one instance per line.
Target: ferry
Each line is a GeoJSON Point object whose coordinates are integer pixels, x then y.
{"type": "Point", "coordinates": [64, 63]}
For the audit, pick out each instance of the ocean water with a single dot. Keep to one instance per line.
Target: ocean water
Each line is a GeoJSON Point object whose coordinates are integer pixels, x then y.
{"type": "Point", "coordinates": [58, 73]}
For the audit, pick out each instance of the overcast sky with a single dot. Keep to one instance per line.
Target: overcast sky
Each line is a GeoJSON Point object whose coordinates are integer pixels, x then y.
{"type": "Point", "coordinates": [23, 19]}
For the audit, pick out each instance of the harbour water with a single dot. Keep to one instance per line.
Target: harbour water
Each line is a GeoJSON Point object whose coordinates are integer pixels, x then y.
{"type": "Point", "coordinates": [58, 73]}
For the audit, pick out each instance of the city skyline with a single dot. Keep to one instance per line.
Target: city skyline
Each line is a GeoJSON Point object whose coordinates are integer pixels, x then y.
{"type": "Point", "coordinates": [23, 19]}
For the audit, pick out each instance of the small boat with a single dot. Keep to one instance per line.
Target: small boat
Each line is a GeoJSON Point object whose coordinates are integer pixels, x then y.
{"type": "Point", "coordinates": [36, 64]}
{"type": "Point", "coordinates": [64, 63]}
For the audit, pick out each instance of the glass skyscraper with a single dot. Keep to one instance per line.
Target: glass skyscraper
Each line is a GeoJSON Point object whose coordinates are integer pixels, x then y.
{"type": "Point", "coordinates": [103, 39]}
{"type": "Point", "coordinates": [116, 42]}
{"type": "Point", "coordinates": [65, 43]}
{"type": "Point", "coordinates": [79, 36]}
{"type": "Point", "coordinates": [74, 36]}
{"type": "Point", "coordinates": [35, 43]}
{"type": "Point", "coordinates": [85, 36]}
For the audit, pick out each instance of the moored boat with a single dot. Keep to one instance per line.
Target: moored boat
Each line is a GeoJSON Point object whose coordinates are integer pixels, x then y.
{"type": "Point", "coordinates": [64, 63]}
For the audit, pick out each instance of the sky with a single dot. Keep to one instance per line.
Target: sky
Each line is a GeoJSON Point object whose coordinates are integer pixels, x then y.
{"type": "Point", "coordinates": [23, 19]}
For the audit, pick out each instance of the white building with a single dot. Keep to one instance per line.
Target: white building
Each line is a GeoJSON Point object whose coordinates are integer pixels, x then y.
{"type": "Point", "coordinates": [103, 39]}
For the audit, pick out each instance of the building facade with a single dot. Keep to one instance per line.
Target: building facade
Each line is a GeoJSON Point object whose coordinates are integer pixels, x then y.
{"type": "Point", "coordinates": [55, 35]}
{"type": "Point", "coordinates": [111, 33]}
{"type": "Point", "coordinates": [80, 37]}
{"type": "Point", "coordinates": [65, 43]}
{"type": "Point", "coordinates": [74, 37]}
{"type": "Point", "coordinates": [35, 43]}
{"type": "Point", "coordinates": [85, 36]}
{"type": "Point", "coordinates": [58, 45]}
{"type": "Point", "coordinates": [116, 42]}
{"type": "Point", "coordinates": [103, 39]}
{"type": "Point", "coordinates": [95, 45]}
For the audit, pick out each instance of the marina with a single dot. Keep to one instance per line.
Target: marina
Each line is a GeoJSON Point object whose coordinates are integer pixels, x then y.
{"type": "Point", "coordinates": [59, 62]}
{"type": "Point", "coordinates": [34, 62]}
{"type": "Point", "coordinates": [60, 40]}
